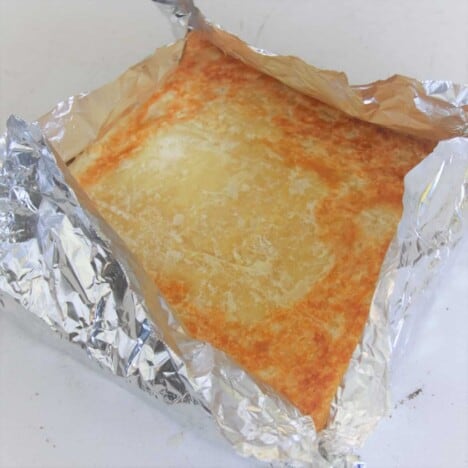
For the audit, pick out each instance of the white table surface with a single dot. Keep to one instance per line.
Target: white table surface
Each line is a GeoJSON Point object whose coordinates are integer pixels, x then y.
{"type": "Point", "coordinates": [57, 411]}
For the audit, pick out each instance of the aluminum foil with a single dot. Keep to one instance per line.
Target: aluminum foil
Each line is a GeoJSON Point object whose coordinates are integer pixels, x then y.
{"type": "Point", "coordinates": [61, 262]}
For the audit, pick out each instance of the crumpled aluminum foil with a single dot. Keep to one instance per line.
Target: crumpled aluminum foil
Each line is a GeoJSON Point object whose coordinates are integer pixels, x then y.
{"type": "Point", "coordinates": [60, 261]}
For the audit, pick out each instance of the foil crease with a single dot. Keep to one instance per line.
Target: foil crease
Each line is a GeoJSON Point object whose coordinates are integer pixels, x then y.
{"type": "Point", "coordinates": [60, 260]}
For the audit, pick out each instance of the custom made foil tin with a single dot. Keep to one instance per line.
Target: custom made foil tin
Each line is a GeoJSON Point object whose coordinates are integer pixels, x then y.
{"type": "Point", "coordinates": [63, 264]}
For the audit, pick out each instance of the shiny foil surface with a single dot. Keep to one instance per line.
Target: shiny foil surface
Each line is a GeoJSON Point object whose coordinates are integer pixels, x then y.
{"type": "Point", "coordinates": [61, 262]}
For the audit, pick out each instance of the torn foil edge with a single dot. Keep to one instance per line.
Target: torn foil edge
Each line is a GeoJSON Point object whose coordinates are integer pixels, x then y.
{"type": "Point", "coordinates": [61, 262]}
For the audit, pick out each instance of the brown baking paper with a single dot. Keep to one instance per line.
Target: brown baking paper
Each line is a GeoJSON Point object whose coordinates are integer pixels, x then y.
{"type": "Point", "coordinates": [430, 109]}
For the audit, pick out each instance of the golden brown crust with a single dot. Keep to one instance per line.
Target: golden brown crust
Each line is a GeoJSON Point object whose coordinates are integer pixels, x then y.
{"type": "Point", "coordinates": [263, 216]}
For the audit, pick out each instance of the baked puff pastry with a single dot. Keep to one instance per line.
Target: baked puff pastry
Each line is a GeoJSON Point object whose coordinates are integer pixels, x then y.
{"type": "Point", "coordinates": [263, 215]}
